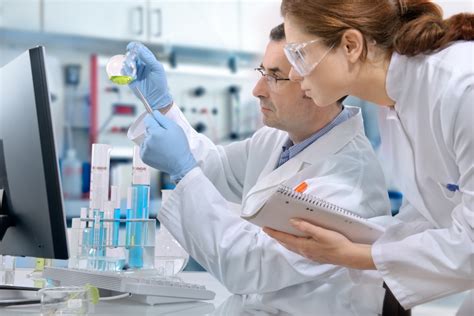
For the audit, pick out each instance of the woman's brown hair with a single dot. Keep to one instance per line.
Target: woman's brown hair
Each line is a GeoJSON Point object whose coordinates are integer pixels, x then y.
{"type": "Point", "coordinates": [409, 27]}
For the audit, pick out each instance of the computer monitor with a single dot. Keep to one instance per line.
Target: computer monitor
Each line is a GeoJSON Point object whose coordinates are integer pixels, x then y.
{"type": "Point", "coordinates": [32, 221]}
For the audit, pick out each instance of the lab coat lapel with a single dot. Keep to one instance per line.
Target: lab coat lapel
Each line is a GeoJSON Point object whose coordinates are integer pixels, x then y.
{"type": "Point", "coordinates": [271, 177]}
{"type": "Point", "coordinates": [317, 152]}
{"type": "Point", "coordinates": [403, 160]}
{"type": "Point", "coordinates": [266, 184]}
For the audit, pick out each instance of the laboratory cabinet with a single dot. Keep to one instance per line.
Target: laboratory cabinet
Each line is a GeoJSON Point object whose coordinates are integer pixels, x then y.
{"type": "Point", "coordinates": [229, 25]}
{"type": "Point", "coordinates": [121, 20]}
{"type": "Point", "coordinates": [203, 24]}
{"type": "Point", "coordinates": [21, 15]}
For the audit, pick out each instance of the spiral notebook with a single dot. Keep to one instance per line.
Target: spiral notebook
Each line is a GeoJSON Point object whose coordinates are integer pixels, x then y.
{"type": "Point", "coordinates": [286, 203]}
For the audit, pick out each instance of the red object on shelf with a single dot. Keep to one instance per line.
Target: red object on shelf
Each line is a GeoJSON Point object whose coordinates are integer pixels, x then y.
{"type": "Point", "coordinates": [124, 109]}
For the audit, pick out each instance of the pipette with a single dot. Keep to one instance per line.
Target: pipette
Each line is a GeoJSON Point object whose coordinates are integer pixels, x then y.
{"type": "Point", "coordinates": [144, 101]}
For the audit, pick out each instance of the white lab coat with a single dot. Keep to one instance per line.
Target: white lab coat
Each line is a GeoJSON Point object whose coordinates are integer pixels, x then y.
{"type": "Point", "coordinates": [429, 139]}
{"type": "Point", "coordinates": [340, 167]}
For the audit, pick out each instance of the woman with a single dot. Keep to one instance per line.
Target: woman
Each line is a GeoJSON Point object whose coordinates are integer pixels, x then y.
{"type": "Point", "coordinates": [403, 56]}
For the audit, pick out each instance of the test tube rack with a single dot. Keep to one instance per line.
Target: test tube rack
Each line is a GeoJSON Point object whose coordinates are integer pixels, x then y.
{"type": "Point", "coordinates": [112, 244]}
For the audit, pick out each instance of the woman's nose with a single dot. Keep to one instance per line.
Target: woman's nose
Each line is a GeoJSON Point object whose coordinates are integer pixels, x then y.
{"type": "Point", "coordinates": [294, 75]}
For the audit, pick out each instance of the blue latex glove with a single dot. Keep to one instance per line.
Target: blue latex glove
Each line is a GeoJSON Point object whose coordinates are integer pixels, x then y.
{"type": "Point", "coordinates": [166, 147]}
{"type": "Point", "coordinates": [151, 77]}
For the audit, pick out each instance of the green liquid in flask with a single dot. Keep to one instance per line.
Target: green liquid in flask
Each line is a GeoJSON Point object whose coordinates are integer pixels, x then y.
{"type": "Point", "coordinates": [121, 79]}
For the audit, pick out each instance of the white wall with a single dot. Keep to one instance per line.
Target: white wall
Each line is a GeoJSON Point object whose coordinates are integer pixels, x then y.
{"type": "Point", "coordinates": [451, 7]}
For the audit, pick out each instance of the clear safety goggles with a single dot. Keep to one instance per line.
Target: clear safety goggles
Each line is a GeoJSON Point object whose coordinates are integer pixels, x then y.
{"type": "Point", "coordinates": [301, 58]}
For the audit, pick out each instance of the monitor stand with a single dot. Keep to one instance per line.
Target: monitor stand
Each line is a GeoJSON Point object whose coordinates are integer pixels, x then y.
{"type": "Point", "coordinates": [5, 220]}
{"type": "Point", "coordinates": [10, 294]}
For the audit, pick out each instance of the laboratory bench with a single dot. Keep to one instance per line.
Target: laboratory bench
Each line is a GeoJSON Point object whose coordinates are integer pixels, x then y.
{"type": "Point", "coordinates": [442, 307]}
{"type": "Point", "coordinates": [224, 302]}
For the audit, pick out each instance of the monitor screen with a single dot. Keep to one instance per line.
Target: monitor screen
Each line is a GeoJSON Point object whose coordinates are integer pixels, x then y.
{"type": "Point", "coordinates": [32, 207]}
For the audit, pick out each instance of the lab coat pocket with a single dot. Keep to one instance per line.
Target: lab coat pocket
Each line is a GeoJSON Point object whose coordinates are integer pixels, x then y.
{"type": "Point", "coordinates": [452, 195]}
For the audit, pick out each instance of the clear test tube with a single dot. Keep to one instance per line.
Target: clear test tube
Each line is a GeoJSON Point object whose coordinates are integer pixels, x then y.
{"type": "Point", "coordinates": [108, 225]}
{"type": "Point", "coordinates": [87, 232]}
{"type": "Point", "coordinates": [99, 194]}
{"type": "Point", "coordinates": [83, 215]}
{"type": "Point", "coordinates": [83, 238]}
{"type": "Point", "coordinates": [98, 232]}
{"type": "Point", "coordinates": [74, 242]}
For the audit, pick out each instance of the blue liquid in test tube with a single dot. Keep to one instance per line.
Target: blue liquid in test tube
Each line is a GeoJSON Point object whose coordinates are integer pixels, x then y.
{"type": "Point", "coordinates": [140, 209]}
{"type": "Point", "coordinates": [115, 199]}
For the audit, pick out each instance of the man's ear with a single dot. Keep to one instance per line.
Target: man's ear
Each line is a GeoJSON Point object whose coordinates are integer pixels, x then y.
{"type": "Point", "coordinates": [352, 44]}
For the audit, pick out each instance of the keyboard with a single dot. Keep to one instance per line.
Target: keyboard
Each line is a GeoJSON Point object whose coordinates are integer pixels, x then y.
{"type": "Point", "coordinates": [145, 286]}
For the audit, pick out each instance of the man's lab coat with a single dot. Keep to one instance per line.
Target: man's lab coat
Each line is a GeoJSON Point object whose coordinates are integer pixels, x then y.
{"type": "Point", "coordinates": [340, 167]}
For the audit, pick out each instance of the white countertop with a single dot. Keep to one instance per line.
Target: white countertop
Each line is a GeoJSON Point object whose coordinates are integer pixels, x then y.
{"type": "Point", "coordinates": [223, 304]}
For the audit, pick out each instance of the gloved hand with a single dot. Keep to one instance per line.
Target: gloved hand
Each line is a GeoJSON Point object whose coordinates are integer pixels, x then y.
{"type": "Point", "coordinates": [151, 77]}
{"type": "Point", "coordinates": [166, 147]}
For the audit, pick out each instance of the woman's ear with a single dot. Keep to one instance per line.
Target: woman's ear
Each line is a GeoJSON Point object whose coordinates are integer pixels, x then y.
{"type": "Point", "coordinates": [352, 44]}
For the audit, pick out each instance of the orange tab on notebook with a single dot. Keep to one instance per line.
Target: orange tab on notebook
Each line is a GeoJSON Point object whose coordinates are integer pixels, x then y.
{"type": "Point", "coordinates": [301, 187]}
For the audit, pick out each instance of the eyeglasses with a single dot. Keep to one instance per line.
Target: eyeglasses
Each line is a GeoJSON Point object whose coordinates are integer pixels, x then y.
{"type": "Point", "coordinates": [298, 55]}
{"type": "Point", "coordinates": [271, 80]}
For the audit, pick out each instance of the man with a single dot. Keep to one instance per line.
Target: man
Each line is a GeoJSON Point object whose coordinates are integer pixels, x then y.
{"type": "Point", "coordinates": [326, 147]}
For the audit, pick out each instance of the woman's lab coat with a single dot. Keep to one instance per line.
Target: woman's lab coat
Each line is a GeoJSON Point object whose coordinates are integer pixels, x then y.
{"type": "Point", "coordinates": [429, 139]}
{"type": "Point", "coordinates": [340, 167]}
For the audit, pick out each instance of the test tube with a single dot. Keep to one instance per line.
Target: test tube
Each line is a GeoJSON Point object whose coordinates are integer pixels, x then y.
{"type": "Point", "coordinates": [99, 194]}
{"type": "Point", "coordinates": [140, 206]}
{"type": "Point", "coordinates": [75, 234]}
{"type": "Point", "coordinates": [87, 232]}
{"type": "Point", "coordinates": [99, 233]}
{"type": "Point", "coordinates": [83, 215]}
{"type": "Point", "coordinates": [141, 181]}
{"type": "Point", "coordinates": [108, 225]}
{"type": "Point", "coordinates": [115, 199]}
{"type": "Point", "coordinates": [129, 215]}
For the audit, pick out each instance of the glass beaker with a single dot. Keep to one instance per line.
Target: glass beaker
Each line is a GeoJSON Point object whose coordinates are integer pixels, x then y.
{"type": "Point", "coordinates": [70, 300]}
{"type": "Point", "coordinates": [170, 256]}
